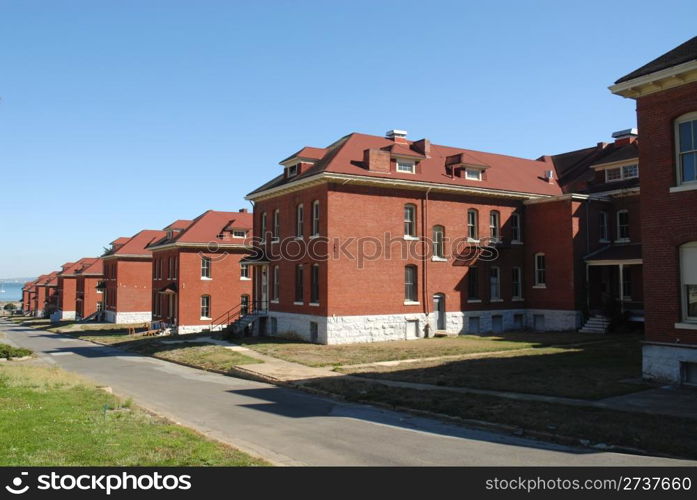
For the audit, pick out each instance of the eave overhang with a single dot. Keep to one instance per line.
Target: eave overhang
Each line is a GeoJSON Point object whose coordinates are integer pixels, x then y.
{"type": "Point", "coordinates": [655, 82]}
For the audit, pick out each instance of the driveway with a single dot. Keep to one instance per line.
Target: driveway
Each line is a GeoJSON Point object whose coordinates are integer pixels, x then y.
{"type": "Point", "coordinates": [290, 427]}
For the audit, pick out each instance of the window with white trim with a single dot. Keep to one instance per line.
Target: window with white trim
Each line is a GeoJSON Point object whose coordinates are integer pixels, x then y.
{"type": "Point", "coordinates": [406, 166]}
{"type": "Point", "coordinates": [686, 147]}
{"type": "Point", "coordinates": [688, 281]}
{"type": "Point", "coordinates": [494, 283]}
{"type": "Point", "coordinates": [276, 225]}
{"type": "Point", "coordinates": [314, 284]}
{"type": "Point", "coordinates": [299, 220]}
{"type": "Point", "coordinates": [276, 282]}
{"type": "Point", "coordinates": [473, 174]}
{"type": "Point", "coordinates": [239, 233]}
{"type": "Point", "coordinates": [315, 218]}
{"type": "Point", "coordinates": [410, 284]}
{"type": "Point", "coordinates": [516, 231]}
{"type": "Point", "coordinates": [623, 225]}
{"type": "Point", "coordinates": [244, 271]}
{"type": "Point", "coordinates": [438, 241]}
{"type": "Point", "coordinates": [205, 267]}
{"type": "Point", "coordinates": [540, 270]}
{"type": "Point", "coordinates": [263, 227]}
{"type": "Point", "coordinates": [602, 226]}
{"type": "Point", "coordinates": [517, 283]}
{"type": "Point", "coordinates": [621, 173]}
{"type": "Point", "coordinates": [205, 307]}
{"type": "Point", "coordinates": [495, 225]}
{"type": "Point", "coordinates": [472, 224]}
{"type": "Point", "coordinates": [299, 284]}
{"type": "Point", "coordinates": [409, 220]}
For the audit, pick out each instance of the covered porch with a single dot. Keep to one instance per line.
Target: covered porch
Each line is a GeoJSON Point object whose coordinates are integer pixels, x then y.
{"type": "Point", "coordinates": [614, 284]}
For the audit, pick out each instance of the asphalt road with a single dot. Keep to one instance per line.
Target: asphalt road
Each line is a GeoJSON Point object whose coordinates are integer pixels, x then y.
{"type": "Point", "coordinates": [294, 428]}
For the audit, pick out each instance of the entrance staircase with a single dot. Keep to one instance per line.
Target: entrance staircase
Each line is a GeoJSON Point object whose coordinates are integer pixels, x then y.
{"type": "Point", "coordinates": [239, 318]}
{"type": "Point", "coordinates": [596, 324]}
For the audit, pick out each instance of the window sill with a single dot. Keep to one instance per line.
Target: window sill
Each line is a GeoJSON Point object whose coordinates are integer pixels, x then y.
{"type": "Point", "coordinates": [275, 240]}
{"type": "Point", "coordinates": [299, 238]}
{"type": "Point", "coordinates": [205, 318]}
{"type": "Point", "coordinates": [474, 301]}
{"type": "Point", "coordinates": [298, 303]}
{"type": "Point", "coordinates": [245, 279]}
{"type": "Point", "coordinates": [273, 301]}
{"type": "Point", "coordinates": [516, 242]}
{"type": "Point", "coordinates": [314, 236]}
{"type": "Point", "coordinates": [622, 240]}
{"type": "Point", "coordinates": [439, 259]}
{"type": "Point", "coordinates": [685, 186]}
{"type": "Point", "coordinates": [686, 326]}
{"type": "Point", "coordinates": [472, 240]}
{"type": "Point", "coordinates": [206, 279]}
{"type": "Point", "coordinates": [540, 286]}
{"type": "Point", "coordinates": [518, 299]}
{"type": "Point", "coordinates": [314, 304]}
{"type": "Point", "coordinates": [411, 303]}
{"type": "Point", "coordinates": [495, 300]}
{"type": "Point", "coordinates": [411, 238]}
{"type": "Point", "coordinates": [603, 240]}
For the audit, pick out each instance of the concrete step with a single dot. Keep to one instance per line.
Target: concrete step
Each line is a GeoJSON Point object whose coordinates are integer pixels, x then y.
{"type": "Point", "coordinates": [592, 330]}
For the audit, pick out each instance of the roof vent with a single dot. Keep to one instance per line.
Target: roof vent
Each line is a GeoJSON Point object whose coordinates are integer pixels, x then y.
{"type": "Point", "coordinates": [623, 134]}
{"type": "Point", "coordinates": [396, 134]}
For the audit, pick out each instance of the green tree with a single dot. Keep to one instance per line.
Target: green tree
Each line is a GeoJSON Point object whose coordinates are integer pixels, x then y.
{"type": "Point", "coordinates": [10, 307]}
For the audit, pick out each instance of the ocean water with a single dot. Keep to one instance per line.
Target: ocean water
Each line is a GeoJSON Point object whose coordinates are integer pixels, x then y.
{"type": "Point", "coordinates": [12, 291]}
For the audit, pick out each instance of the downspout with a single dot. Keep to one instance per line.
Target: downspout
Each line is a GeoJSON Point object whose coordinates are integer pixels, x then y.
{"type": "Point", "coordinates": [424, 224]}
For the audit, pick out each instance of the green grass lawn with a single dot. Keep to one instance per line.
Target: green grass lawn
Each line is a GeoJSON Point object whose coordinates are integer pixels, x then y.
{"type": "Point", "coordinates": [49, 417]}
{"type": "Point", "coordinates": [198, 354]}
{"type": "Point", "coordinates": [8, 351]}
{"type": "Point", "coordinates": [655, 434]}
{"type": "Point", "coordinates": [337, 355]}
{"type": "Point", "coordinates": [590, 371]}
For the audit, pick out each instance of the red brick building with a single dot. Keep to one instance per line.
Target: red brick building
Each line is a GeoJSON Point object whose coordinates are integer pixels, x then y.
{"type": "Point", "coordinates": [127, 280]}
{"type": "Point", "coordinates": [665, 91]}
{"type": "Point", "coordinates": [89, 298]}
{"type": "Point", "coordinates": [198, 281]}
{"type": "Point", "coordinates": [28, 297]}
{"type": "Point", "coordinates": [382, 238]}
{"type": "Point", "coordinates": [67, 289]}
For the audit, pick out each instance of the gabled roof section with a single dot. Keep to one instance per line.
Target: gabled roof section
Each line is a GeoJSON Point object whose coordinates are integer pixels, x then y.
{"type": "Point", "coordinates": [210, 227]}
{"type": "Point", "coordinates": [505, 173]}
{"type": "Point", "coordinates": [95, 267]}
{"type": "Point", "coordinates": [574, 168]}
{"type": "Point", "coordinates": [681, 54]}
{"type": "Point", "coordinates": [306, 153]}
{"type": "Point", "coordinates": [138, 243]}
{"type": "Point", "coordinates": [75, 267]}
{"type": "Point", "coordinates": [179, 225]}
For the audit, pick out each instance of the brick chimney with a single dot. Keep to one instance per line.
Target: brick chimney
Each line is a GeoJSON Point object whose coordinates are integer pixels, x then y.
{"type": "Point", "coordinates": [376, 160]}
{"type": "Point", "coordinates": [626, 136]}
{"type": "Point", "coordinates": [422, 146]}
{"type": "Point", "coordinates": [242, 210]}
{"type": "Point", "coordinates": [398, 136]}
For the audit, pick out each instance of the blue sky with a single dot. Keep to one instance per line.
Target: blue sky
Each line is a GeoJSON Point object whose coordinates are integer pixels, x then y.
{"type": "Point", "coordinates": [117, 116]}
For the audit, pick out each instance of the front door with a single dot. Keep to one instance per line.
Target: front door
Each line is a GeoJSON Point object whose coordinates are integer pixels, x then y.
{"type": "Point", "coordinates": [439, 310]}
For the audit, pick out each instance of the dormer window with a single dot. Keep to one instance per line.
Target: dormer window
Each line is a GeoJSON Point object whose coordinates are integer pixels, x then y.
{"type": "Point", "coordinates": [292, 171]}
{"type": "Point", "coordinates": [473, 174]}
{"type": "Point", "coordinates": [170, 234]}
{"type": "Point", "coordinates": [621, 173]}
{"type": "Point", "coordinates": [239, 233]}
{"type": "Point", "coordinates": [406, 166]}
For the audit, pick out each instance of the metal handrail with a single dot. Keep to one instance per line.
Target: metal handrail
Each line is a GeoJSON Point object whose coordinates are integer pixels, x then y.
{"type": "Point", "coordinates": [237, 312]}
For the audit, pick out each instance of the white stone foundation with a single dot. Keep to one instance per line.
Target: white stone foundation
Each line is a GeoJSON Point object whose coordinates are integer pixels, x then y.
{"type": "Point", "coordinates": [385, 327]}
{"type": "Point", "coordinates": [65, 315]}
{"type": "Point", "coordinates": [127, 317]}
{"type": "Point", "coordinates": [664, 362]}
{"type": "Point", "coordinates": [186, 329]}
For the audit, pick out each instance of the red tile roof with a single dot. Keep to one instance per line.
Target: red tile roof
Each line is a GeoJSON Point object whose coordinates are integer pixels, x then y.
{"type": "Point", "coordinates": [179, 224]}
{"type": "Point", "coordinates": [95, 267]}
{"type": "Point", "coordinates": [308, 153]}
{"type": "Point", "coordinates": [508, 173]}
{"type": "Point", "coordinates": [137, 244]}
{"type": "Point", "coordinates": [207, 227]}
{"type": "Point", "coordinates": [72, 269]}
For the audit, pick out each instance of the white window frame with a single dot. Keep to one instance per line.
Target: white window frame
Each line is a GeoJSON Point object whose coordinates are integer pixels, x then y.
{"type": "Point", "coordinates": [620, 238]}
{"type": "Point", "coordinates": [206, 265]}
{"type": "Point", "coordinates": [473, 174]}
{"type": "Point", "coordinates": [315, 219]}
{"type": "Point", "coordinates": [236, 233]}
{"type": "Point", "coordinates": [276, 235]}
{"type": "Point", "coordinates": [438, 233]}
{"type": "Point", "coordinates": [299, 221]}
{"type": "Point", "coordinates": [410, 235]}
{"type": "Point", "coordinates": [205, 308]}
{"type": "Point", "coordinates": [263, 227]}
{"type": "Point", "coordinates": [516, 229]}
{"type": "Point", "coordinates": [408, 299]}
{"type": "Point", "coordinates": [517, 284]}
{"type": "Point", "coordinates": [473, 224]}
{"type": "Point", "coordinates": [494, 284]}
{"type": "Point", "coordinates": [314, 284]}
{"type": "Point", "coordinates": [689, 117]}
{"type": "Point", "coordinates": [405, 166]}
{"type": "Point", "coordinates": [292, 170]}
{"type": "Point", "coordinates": [275, 284]}
{"type": "Point", "coordinates": [690, 247]}
{"type": "Point", "coordinates": [495, 225]}
{"type": "Point", "coordinates": [622, 175]}
{"type": "Point", "coordinates": [540, 283]}
{"type": "Point", "coordinates": [244, 272]}
{"type": "Point", "coordinates": [603, 226]}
